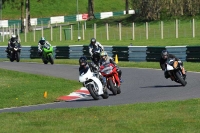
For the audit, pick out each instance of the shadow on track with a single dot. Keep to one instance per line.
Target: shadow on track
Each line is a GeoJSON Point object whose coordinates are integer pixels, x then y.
{"type": "Point", "coordinates": [162, 86]}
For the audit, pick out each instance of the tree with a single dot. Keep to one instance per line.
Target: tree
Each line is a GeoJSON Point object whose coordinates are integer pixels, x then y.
{"type": "Point", "coordinates": [28, 18]}
{"type": "Point", "coordinates": [91, 9]}
{"type": "Point", "coordinates": [126, 6]}
{"type": "Point", "coordinates": [22, 16]}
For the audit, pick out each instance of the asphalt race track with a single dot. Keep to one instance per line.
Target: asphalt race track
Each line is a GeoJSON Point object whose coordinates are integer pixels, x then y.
{"type": "Point", "coordinates": [139, 85]}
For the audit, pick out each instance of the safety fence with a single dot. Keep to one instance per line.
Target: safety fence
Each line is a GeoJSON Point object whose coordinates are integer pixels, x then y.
{"type": "Point", "coordinates": [128, 53]}
{"type": "Point", "coordinates": [63, 19]}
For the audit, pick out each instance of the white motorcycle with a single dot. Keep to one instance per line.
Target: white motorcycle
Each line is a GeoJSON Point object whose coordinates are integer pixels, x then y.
{"type": "Point", "coordinates": [92, 83]}
{"type": "Point", "coordinates": [174, 70]}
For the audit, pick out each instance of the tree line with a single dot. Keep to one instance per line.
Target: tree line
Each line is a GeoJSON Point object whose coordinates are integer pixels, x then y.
{"type": "Point", "coordinates": [155, 9]}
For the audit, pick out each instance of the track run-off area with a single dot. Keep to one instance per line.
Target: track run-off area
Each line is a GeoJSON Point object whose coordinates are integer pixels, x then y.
{"type": "Point", "coordinates": [139, 85]}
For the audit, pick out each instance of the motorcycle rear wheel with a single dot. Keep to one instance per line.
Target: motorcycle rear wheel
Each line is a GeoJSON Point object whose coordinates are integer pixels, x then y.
{"type": "Point", "coordinates": [180, 78]}
{"type": "Point", "coordinates": [112, 87]}
{"type": "Point", "coordinates": [92, 91]}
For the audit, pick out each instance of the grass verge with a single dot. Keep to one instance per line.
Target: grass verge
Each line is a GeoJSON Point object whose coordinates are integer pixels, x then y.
{"type": "Point", "coordinates": [19, 89]}
{"type": "Point", "coordinates": [161, 117]}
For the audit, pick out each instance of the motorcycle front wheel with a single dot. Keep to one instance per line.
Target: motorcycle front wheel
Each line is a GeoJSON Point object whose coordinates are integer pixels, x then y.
{"type": "Point", "coordinates": [17, 56]}
{"type": "Point", "coordinates": [105, 94]}
{"type": "Point", "coordinates": [93, 92]}
{"type": "Point", "coordinates": [112, 86]}
{"type": "Point", "coordinates": [11, 57]}
{"type": "Point", "coordinates": [51, 60]}
{"type": "Point", "coordinates": [180, 78]}
{"type": "Point", "coordinates": [118, 90]}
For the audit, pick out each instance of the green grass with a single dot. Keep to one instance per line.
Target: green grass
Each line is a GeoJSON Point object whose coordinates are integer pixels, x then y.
{"type": "Point", "coordinates": [18, 89]}
{"type": "Point", "coordinates": [154, 38]}
{"type": "Point", "coordinates": [50, 8]}
{"type": "Point", "coordinates": [161, 117]}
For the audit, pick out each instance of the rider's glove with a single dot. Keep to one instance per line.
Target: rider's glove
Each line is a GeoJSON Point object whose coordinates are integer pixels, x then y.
{"type": "Point", "coordinates": [39, 50]}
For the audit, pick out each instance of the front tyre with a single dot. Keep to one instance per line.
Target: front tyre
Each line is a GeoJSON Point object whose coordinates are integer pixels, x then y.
{"type": "Point", "coordinates": [118, 90]}
{"type": "Point", "coordinates": [180, 78]}
{"type": "Point", "coordinates": [105, 94]}
{"type": "Point", "coordinates": [17, 56]}
{"type": "Point", "coordinates": [93, 91]}
{"type": "Point", "coordinates": [51, 60]}
{"type": "Point", "coordinates": [112, 87]}
{"type": "Point", "coordinates": [11, 57]}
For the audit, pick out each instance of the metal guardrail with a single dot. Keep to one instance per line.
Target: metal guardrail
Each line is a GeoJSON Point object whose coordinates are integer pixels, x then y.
{"type": "Point", "coordinates": [130, 53]}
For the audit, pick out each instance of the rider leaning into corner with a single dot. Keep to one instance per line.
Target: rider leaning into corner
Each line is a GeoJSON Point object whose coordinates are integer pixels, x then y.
{"type": "Point", "coordinates": [41, 43]}
{"type": "Point", "coordinates": [83, 65]}
{"type": "Point", "coordinates": [164, 56]}
{"type": "Point", "coordinates": [94, 45]}
{"type": "Point", "coordinates": [105, 59]}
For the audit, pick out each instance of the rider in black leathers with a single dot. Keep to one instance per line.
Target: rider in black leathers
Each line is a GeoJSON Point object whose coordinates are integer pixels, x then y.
{"type": "Point", "coordinates": [164, 56]}
{"type": "Point", "coordinates": [93, 46]}
{"type": "Point", "coordinates": [84, 64]}
{"type": "Point", "coordinates": [11, 43]}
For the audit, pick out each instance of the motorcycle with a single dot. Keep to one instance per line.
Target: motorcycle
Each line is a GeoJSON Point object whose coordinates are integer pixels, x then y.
{"type": "Point", "coordinates": [96, 56]}
{"type": "Point", "coordinates": [14, 52]}
{"type": "Point", "coordinates": [47, 54]}
{"type": "Point", "coordinates": [110, 72]}
{"type": "Point", "coordinates": [174, 70]}
{"type": "Point", "coordinates": [92, 83]}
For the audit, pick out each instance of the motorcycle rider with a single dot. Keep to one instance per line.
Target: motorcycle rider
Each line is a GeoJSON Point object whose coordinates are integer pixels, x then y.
{"type": "Point", "coordinates": [107, 59]}
{"type": "Point", "coordinates": [11, 43]}
{"type": "Point", "coordinates": [93, 46]}
{"type": "Point", "coordinates": [164, 56]}
{"type": "Point", "coordinates": [41, 43]}
{"type": "Point", "coordinates": [84, 64]}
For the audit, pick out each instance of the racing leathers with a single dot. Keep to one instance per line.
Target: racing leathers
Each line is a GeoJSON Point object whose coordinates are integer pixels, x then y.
{"type": "Point", "coordinates": [40, 46]}
{"type": "Point", "coordinates": [163, 65]}
{"type": "Point", "coordinates": [95, 47]}
{"type": "Point", "coordinates": [93, 68]}
{"type": "Point", "coordinates": [110, 60]}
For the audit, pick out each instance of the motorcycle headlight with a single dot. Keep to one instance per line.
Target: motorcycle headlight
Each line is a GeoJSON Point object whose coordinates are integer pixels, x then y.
{"type": "Point", "coordinates": [175, 64]}
{"type": "Point", "coordinates": [15, 49]}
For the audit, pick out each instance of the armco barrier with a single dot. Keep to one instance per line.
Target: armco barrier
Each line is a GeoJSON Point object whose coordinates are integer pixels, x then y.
{"type": "Point", "coordinates": [121, 52]}
{"type": "Point", "coordinates": [3, 54]}
{"type": "Point", "coordinates": [62, 52]}
{"type": "Point", "coordinates": [193, 54]}
{"type": "Point", "coordinates": [137, 53]}
{"type": "Point", "coordinates": [153, 53]}
{"type": "Point", "coordinates": [179, 51]}
{"type": "Point", "coordinates": [130, 53]}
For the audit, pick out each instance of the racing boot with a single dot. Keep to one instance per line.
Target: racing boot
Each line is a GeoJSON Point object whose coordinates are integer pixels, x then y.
{"type": "Point", "coordinates": [184, 76]}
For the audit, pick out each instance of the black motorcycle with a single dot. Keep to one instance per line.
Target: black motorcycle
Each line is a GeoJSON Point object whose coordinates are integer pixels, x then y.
{"type": "Point", "coordinates": [14, 52]}
{"type": "Point", "coordinates": [96, 56]}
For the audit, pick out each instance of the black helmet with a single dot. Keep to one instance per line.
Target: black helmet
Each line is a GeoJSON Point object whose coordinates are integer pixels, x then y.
{"type": "Point", "coordinates": [93, 41]}
{"type": "Point", "coordinates": [82, 61]}
{"type": "Point", "coordinates": [164, 54]}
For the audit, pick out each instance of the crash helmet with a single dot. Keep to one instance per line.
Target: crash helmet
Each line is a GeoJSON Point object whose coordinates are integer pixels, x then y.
{"type": "Point", "coordinates": [42, 41]}
{"type": "Point", "coordinates": [104, 55]}
{"type": "Point", "coordinates": [13, 37]}
{"type": "Point", "coordinates": [164, 54]}
{"type": "Point", "coordinates": [83, 61]}
{"type": "Point", "coordinates": [93, 41]}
